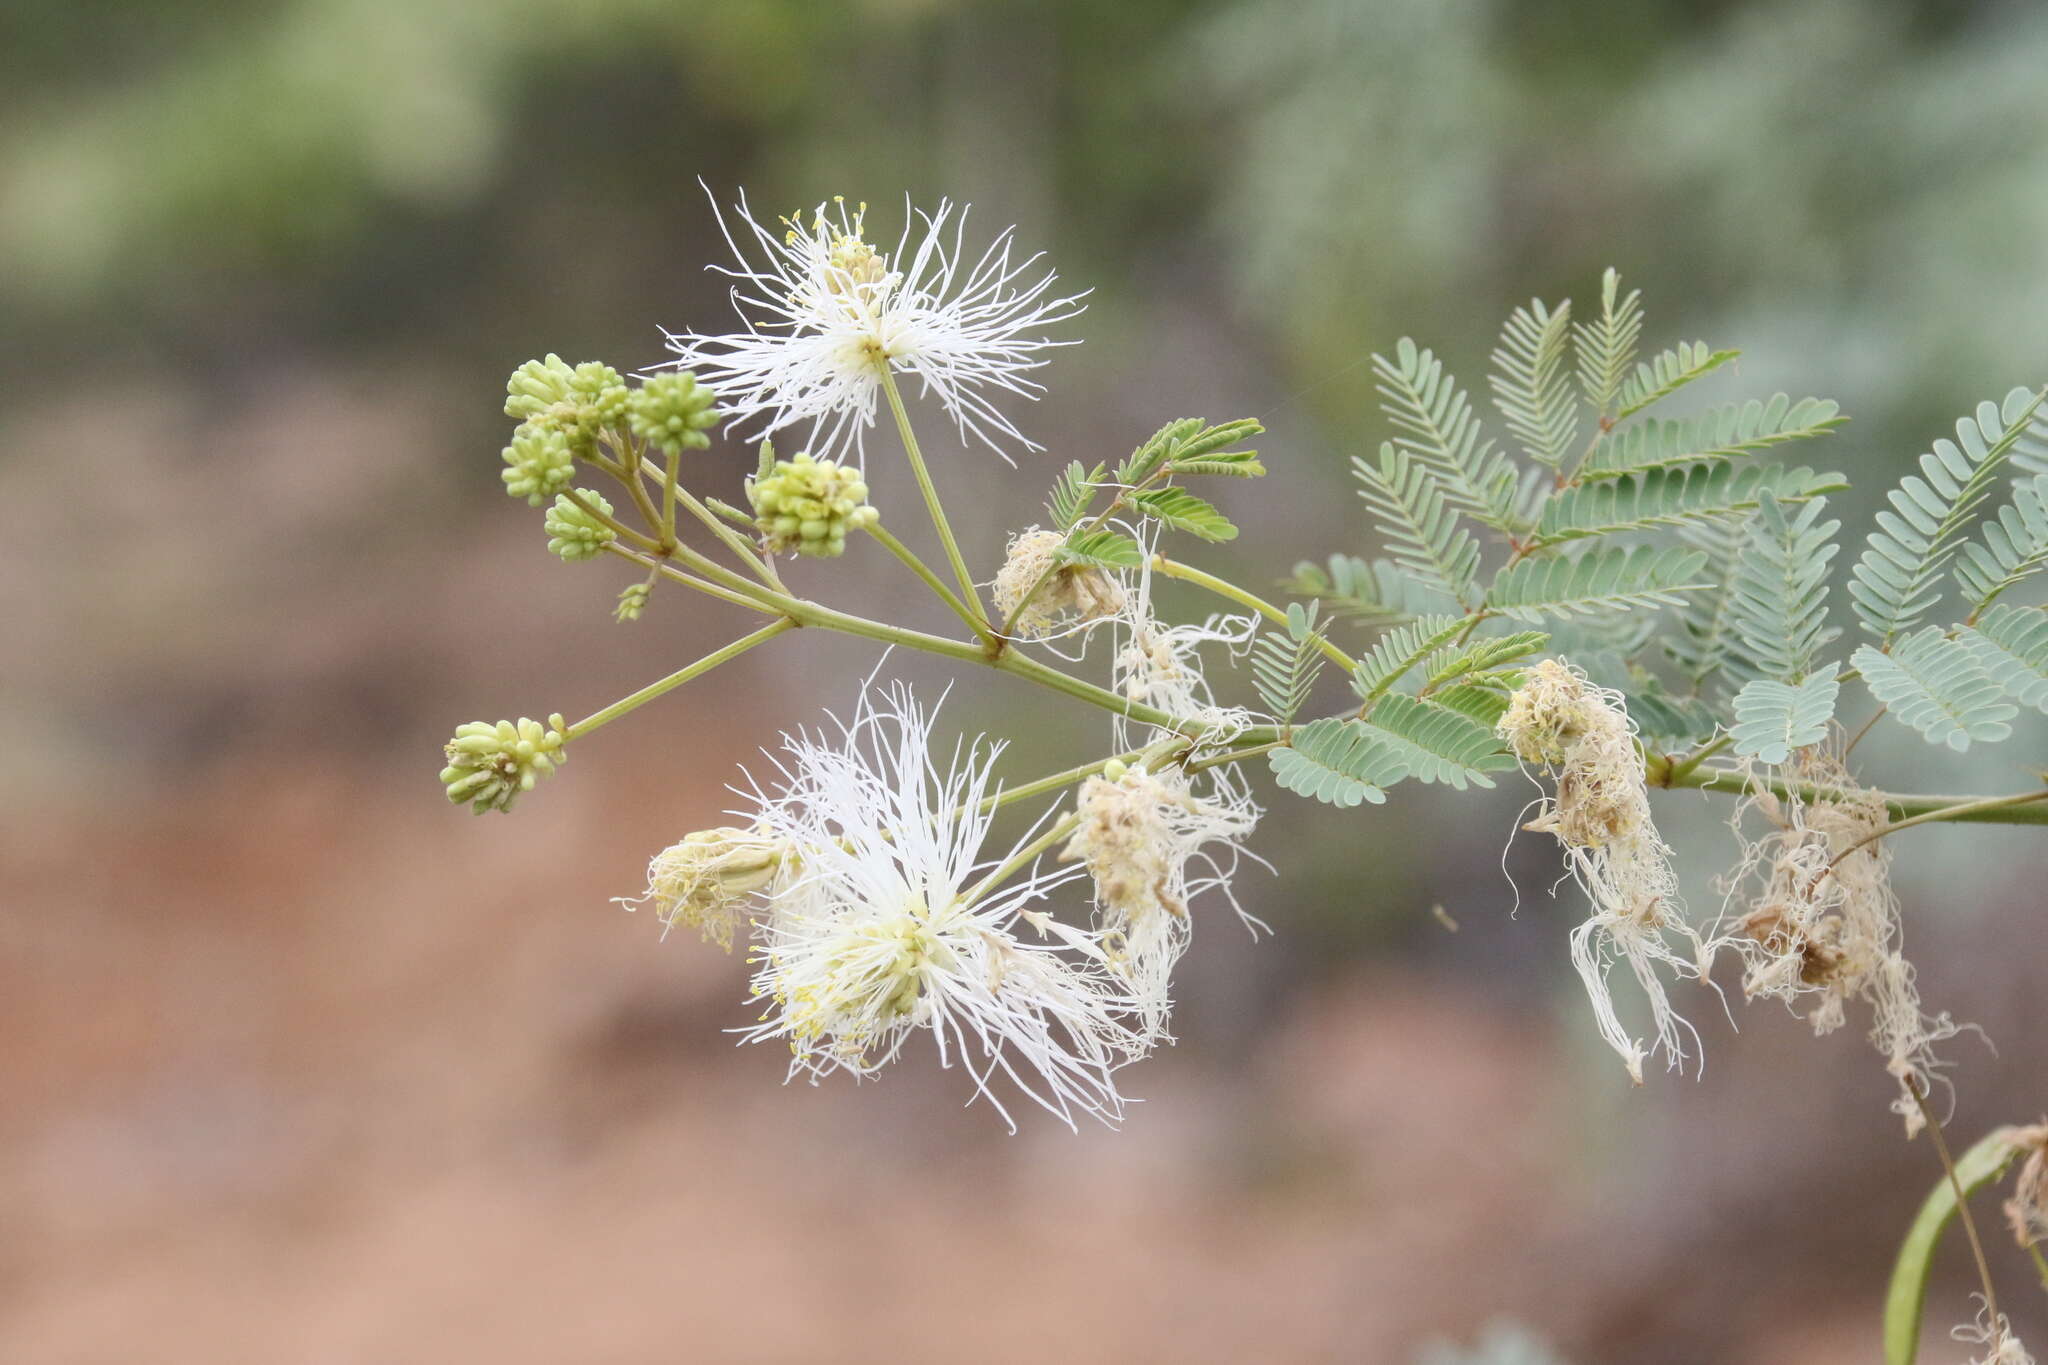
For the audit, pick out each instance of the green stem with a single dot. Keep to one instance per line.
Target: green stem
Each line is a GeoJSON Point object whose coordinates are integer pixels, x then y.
{"type": "Point", "coordinates": [618, 528]}
{"type": "Point", "coordinates": [1187, 573]}
{"type": "Point", "coordinates": [1683, 766]}
{"type": "Point", "coordinates": [751, 601]}
{"type": "Point", "coordinates": [678, 678]}
{"type": "Point", "coordinates": [931, 580]}
{"type": "Point", "coordinates": [1962, 812]}
{"type": "Point", "coordinates": [931, 497]}
{"type": "Point", "coordinates": [1961, 809]}
{"type": "Point", "coordinates": [1061, 829]}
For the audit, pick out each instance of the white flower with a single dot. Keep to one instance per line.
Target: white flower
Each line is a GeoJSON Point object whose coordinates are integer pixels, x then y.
{"type": "Point", "coordinates": [885, 927]}
{"type": "Point", "coordinates": [824, 312]}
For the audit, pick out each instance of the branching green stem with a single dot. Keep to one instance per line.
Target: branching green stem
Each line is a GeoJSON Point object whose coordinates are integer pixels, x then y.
{"type": "Point", "coordinates": [678, 678]}
{"type": "Point", "coordinates": [1189, 574]}
{"type": "Point", "coordinates": [931, 580]}
{"type": "Point", "coordinates": [1061, 828]}
{"type": "Point", "coordinates": [931, 497]}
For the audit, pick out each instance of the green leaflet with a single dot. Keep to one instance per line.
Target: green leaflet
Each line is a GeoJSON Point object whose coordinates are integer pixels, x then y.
{"type": "Point", "coordinates": [1339, 761]}
{"type": "Point", "coordinates": [1936, 686]}
{"type": "Point", "coordinates": [1773, 718]}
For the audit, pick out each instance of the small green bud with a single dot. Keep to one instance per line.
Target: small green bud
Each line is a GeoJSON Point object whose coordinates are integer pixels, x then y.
{"type": "Point", "coordinates": [539, 463]}
{"type": "Point", "coordinates": [632, 602]}
{"type": "Point", "coordinates": [807, 506]}
{"type": "Point", "coordinates": [579, 401]}
{"type": "Point", "coordinates": [672, 411]}
{"type": "Point", "coordinates": [575, 534]}
{"type": "Point", "coordinates": [491, 766]}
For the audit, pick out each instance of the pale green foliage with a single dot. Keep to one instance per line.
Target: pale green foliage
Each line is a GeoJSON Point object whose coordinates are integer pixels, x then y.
{"type": "Point", "coordinates": [1285, 663]}
{"type": "Point", "coordinates": [1674, 497]}
{"type": "Point", "coordinates": [1438, 743]}
{"type": "Point", "coordinates": [1773, 718]}
{"type": "Point", "coordinates": [1338, 761]}
{"type": "Point", "coordinates": [1778, 591]}
{"type": "Point", "coordinates": [1608, 578]}
{"type": "Point", "coordinates": [1607, 346]}
{"type": "Point", "coordinates": [1103, 549]}
{"type": "Point", "coordinates": [1936, 686]}
{"type": "Point", "coordinates": [1479, 659]}
{"type": "Point", "coordinates": [1530, 384]}
{"type": "Point", "coordinates": [1376, 590]}
{"type": "Point", "coordinates": [1412, 508]}
{"type": "Point", "coordinates": [1729, 432]}
{"type": "Point", "coordinates": [1073, 495]}
{"type": "Point", "coordinates": [2011, 645]}
{"type": "Point", "coordinates": [2014, 546]}
{"type": "Point", "coordinates": [1400, 650]}
{"type": "Point", "coordinates": [1183, 511]}
{"type": "Point", "coordinates": [1897, 579]}
{"type": "Point", "coordinates": [1193, 446]}
{"type": "Point", "coordinates": [1669, 372]}
{"type": "Point", "coordinates": [1438, 426]}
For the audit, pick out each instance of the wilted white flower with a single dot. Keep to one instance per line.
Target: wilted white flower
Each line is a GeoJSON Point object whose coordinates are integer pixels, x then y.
{"type": "Point", "coordinates": [886, 929]}
{"type": "Point", "coordinates": [1601, 815]}
{"type": "Point", "coordinates": [1819, 923]}
{"type": "Point", "coordinates": [1034, 592]}
{"type": "Point", "coordinates": [1160, 665]}
{"type": "Point", "coordinates": [825, 312]}
{"type": "Point", "coordinates": [1151, 845]}
{"type": "Point", "coordinates": [1994, 1334]}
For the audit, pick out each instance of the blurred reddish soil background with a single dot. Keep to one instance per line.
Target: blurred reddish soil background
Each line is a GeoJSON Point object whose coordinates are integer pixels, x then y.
{"type": "Point", "coordinates": [299, 1064]}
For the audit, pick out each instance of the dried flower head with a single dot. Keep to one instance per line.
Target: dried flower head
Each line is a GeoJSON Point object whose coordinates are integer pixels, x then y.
{"type": "Point", "coordinates": [1600, 813]}
{"type": "Point", "coordinates": [1150, 846]}
{"type": "Point", "coordinates": [890, 927]}
{"type": "Point", "coordinates": [708, 878]}
{"type": "Point", "coordinates": [826, 312]}
{"type": "Point", "coordinates": [1995, 1334]}
{"type": "Point", "coordinates": [1035, 593]}
{"type": "Point", "coordinates": [2027, 1210]}
{"type": "Point", "coordinates": [490, 765]}
{"type": "Point", "coordinates": [1817, 922]}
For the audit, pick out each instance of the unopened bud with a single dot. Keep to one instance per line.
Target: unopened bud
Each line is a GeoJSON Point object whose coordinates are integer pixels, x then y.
{"type": "Point", "coordinates": [491, 765]}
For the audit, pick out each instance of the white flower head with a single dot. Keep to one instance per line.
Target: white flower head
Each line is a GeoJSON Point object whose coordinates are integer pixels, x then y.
{"type": "Point", "coordinates": [887, 927]}
{"type": "Point", "coordinates": [825, 312]}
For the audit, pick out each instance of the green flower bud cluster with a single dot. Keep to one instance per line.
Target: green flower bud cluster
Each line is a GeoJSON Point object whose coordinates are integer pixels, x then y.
{"type": "Point", "coordinates": [538, 464]}
{"type": "Point", "coordinates": [808, 506]}
{"type": "Point", "coordinates": [632, 602]}
{"type": "Point", "coordinates": [579, 401]}
{"type": "Point", "coordinates": [574, 533]}
{"type": "Point", "coordinates": [491, 766]}
{"type": "Point", "coordinates": [672, 411]}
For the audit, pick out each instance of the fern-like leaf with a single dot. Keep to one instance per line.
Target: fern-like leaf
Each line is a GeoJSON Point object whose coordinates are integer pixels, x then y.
{"type": "Point", "coordinates": [1896, 580]}
{"type": "Point", "coordinates": [1778, 590]}
{"type": "Point", "coordinates": [1368, 590]}
{"type": "Point", "coordinates": [1773, 718]}
{"type": "Point", "coordinates": [2011, 645]}
{"type": "Point", "coordinates": [1731, 432]}
{"type": "Point", "coordinates": [1107, 549]}
{"type": "Point", "coordinates": [1452, 662]}
{"type": "Point", "coordinates": [1394, 653]}
{"type": "Point", "coordinates": [1438, 743]}
{"type": "Point", "coordinates": [1669, 372]}
{"type": "Point", "coordinates": [1072, 495]}
{"type": "Point", "coordinates": [1438, 426]}
{"type": "Point", "coordinates": [1285, 663]}
{"type": "Point", "coordinates": [1412, 510]}
{"type": "Point", "coordinates": [1605, 579]}
{"type": "Point", "coordinates": [1192, 446]}
{"type": "Point", "coordinates": [1183, 511]}
{"type": "Point", "coordinates": [1705, 637]}
{"type": "Point", "coordinates": [1936, 686]}
{"type": "Point", "coordinates": [2014, 546]}
{"type": "Point", "coordinates": [1338, 761]}
{"type": "Point", "coordinates": [1530, 384]}
{"type": "Point", "coordinates": [1607, 348]}
{"type": "Point", "coordinates": [1674, 497]}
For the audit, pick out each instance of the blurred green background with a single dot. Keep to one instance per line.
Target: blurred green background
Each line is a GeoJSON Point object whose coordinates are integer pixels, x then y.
{"type": "Point", "coordinates": [302, 1064]}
